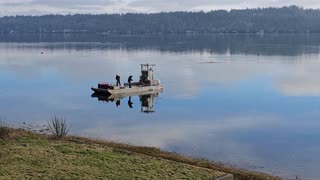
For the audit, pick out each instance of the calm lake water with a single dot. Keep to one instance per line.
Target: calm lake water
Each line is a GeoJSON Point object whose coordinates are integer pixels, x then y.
{"type": "Point", "coordinates": [249, 101]}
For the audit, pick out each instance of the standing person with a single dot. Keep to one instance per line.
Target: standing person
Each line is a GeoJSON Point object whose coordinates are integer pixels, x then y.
{"type": "Point", "coordinates": [129, 81]}
{"type": "Point", "coordinates": [118, 80]}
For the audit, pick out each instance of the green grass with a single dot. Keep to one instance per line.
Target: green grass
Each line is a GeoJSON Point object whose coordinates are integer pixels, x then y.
{"type": "Point", "coordinates": [38, 157]}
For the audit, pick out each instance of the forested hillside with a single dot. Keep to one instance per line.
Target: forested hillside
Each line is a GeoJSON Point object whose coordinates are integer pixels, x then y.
{"type": "Point", "coordinates": [266, 20]}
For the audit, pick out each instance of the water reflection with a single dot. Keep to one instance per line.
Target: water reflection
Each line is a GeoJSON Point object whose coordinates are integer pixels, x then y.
{"type": "Point", "coordinates": [258, 107]}
{"type": "Point", "coordinates": [269, 44]}
{"type": "Point", "coordinates": [146, 99]}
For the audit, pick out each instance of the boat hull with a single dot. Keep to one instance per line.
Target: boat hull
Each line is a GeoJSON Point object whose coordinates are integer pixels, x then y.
{"type": "Point", "coordinates": [100, 90]}
{"type": "Point", "coordinates": [126, 91]}
{"type": "Point", "coordinates": [116, 97]}
{"type": "Point", "coordinates": [135, 90]}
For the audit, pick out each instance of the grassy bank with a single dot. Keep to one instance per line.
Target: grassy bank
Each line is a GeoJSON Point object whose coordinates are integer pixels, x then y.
{"type": "Point", "coordinates": [25, 155]}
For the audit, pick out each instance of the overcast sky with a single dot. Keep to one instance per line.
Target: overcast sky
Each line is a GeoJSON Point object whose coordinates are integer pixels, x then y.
{"type": "Point", "coordinates": [40, 7]}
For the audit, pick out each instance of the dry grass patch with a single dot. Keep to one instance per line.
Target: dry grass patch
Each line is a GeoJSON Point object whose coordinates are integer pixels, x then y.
{"type": "Point", "coordinates": [58, 127]}
{"type": "Point", "coordinates": [240, 174]}
{"type": "Point", "coordinates": [31, 156]}
{"type": "Point", "coordinates": [4, 131]}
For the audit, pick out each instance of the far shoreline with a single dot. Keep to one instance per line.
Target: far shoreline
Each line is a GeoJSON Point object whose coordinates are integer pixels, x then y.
{"type": "Point", "coordinates": [155, 34]}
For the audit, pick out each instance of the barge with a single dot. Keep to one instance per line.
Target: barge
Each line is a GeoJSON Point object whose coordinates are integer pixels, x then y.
{"type": "Point", "coordinates": [146, 83]}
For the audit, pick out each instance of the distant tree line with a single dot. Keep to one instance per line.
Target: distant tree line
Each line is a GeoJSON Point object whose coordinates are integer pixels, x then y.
{"type": "Point", "coordinates": [291, 19]}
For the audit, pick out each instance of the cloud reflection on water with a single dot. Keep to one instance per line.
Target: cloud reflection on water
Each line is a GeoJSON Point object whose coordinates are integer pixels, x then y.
{"type": "Point", "coordinates": [300, 79]}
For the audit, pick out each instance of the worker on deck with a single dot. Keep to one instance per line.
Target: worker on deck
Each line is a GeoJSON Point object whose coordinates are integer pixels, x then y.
{"type": "Point", "coordinates": [118, 80]}
{"type": "Point", "coordinates": [129, 81]}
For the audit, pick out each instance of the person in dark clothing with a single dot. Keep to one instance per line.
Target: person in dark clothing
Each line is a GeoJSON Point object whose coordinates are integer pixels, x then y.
{"type": "Point", "coordinates": [118, 103]}
{"type": "Point", "coordinates": [129, 81]}
{"type": "Point", "coordinates": [118, 80]}
{"type": "Point", "coordinates": [130, 103]}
